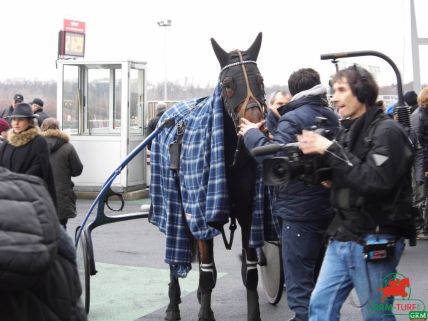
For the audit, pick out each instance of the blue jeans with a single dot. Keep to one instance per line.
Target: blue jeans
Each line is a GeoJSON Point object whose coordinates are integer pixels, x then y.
{"type": "Point", "coordinates": [302, 245]}
{"type": "Point", "coordinates": [345, 268]}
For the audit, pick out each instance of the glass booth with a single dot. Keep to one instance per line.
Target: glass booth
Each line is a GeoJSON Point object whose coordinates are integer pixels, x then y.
{"type": "Point", "coordinates": [102, 106]}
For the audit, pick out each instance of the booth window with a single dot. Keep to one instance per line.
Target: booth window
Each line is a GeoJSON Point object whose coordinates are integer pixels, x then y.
{"type": "Point", "coordinates": [71, 100]}
{"type": "Point", "coordinates": [136, 103]}
{"type": "Point", "coordinates": [92, 99]}
{"type": "Point", "coordinates": [104, 101]}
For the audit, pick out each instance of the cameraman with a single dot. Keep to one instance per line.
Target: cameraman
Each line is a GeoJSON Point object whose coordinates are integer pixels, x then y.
{"type": "Point", "coordinates": [371, 193]}
{"type": "Point", "coordinates": [303, 210]}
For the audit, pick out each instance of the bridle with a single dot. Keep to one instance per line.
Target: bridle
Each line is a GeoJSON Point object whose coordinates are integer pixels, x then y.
{"type": "Point", "coordinates": [244, 106]}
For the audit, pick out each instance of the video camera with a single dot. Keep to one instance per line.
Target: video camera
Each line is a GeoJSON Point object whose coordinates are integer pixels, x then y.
{"type": "Point", "coordinates": [310, 169]}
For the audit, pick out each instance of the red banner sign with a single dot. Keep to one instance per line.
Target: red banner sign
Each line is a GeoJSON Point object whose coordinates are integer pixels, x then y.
{"type": "Point", "coordinates": [74, 26]}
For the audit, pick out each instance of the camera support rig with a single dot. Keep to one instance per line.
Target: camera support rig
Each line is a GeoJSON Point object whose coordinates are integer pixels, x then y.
{"type": "Point", "coordinates": [337, 55]}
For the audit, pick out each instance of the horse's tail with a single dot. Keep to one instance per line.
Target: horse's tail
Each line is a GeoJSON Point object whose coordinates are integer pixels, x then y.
{"type": "Point", "coordinates": [194, 249]}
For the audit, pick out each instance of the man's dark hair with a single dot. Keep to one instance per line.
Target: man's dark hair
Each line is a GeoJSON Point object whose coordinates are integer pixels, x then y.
{"type": "Point", "coordinates": [303, 79]}
{"type": "Point", "coordinates": [361, 82]}
{"type": "Point", "coordinates": [411, 98]}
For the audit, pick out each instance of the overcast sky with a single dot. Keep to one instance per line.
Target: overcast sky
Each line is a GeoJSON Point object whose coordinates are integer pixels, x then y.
{"type": "Point", "coordinates": [295, 33]}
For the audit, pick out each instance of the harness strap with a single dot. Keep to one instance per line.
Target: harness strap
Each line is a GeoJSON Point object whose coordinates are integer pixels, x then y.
{"type": "Point", "coordinates": [232, 228]}
{"type": "Point", "coordinates": [249, 92]}
{"type": "Point", "coordinates": [238, 63]}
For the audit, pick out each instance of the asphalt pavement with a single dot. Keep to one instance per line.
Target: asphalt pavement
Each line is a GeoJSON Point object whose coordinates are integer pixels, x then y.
{"type": "Point", "coordinates": [132, 279]}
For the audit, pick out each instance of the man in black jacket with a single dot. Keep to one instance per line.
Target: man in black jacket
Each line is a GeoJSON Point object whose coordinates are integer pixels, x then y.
{"type": "Point", "coordinates": [17, 99]}
{"type": "Point", "coordinates": [37, 108]}
{"type": "Point", "coordinates": [303, 209]}
{"type": "Point", "coordinates": [371, 192]}
{"type": "Point", "coordinates": [160, 109]}
{"type": "Point", "coordinates": [38, 274]}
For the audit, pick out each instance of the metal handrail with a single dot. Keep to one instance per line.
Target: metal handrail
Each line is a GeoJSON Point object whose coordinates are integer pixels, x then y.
{"type": "Point", "coordinates": [101, 218]}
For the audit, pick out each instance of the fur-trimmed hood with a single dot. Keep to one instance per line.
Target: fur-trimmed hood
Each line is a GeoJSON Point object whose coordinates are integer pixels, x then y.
{"type": "Point", "coordinates": [56, 133]}
{"type": "Point", "coordinates": [22, 138]}
{"type": "Point", "coordinates": [55, 138]}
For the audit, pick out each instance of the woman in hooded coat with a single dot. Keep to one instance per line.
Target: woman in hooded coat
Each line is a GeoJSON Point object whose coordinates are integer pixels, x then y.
{"type": "Point", "coordinates": [65, 164]}
{"type": "Point", "coordinates": [26, 151]}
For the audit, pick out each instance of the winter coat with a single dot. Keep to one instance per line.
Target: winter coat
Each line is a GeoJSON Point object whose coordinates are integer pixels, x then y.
{"type": "Point", "coordinates": [7, 112]}
{"type": "Point", "coordinates": [151, 126]}
{"type": "Point", "coordinates": [28, 153]}
{"type": "Point", "coordinates": [41, 116]}
{"type": "Point", "coordinates": [419, 122]}
{"type": "Point", "coordinates": [65, 164]}
{"type": "Point", "coordinates": [38, 274]}
{"type": "Point", "coordinates": [297, 201]}
{"type": "Point", "coordinates": [371, 187]}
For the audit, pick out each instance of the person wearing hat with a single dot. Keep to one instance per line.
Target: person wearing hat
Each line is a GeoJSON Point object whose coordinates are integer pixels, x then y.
{"type": "Point", "coordinates": [17, 98]}
{"type": "Point", "coordinates": [37, 108]}
{"type": "Point", "coordinates": [26, 151]}
{"type": "Point", "coordinates": [4, 127]}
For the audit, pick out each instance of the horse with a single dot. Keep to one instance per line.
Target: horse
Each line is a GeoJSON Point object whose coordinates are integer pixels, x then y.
{"type": "Point", "coordinates": [187, 180]}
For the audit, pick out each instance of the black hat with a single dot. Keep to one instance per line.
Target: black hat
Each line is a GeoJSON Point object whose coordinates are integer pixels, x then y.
{"type": "Point", "coordinates": [37, 101]}
{"type": "Point", "coordinates": [22, 110]}
{"type": "Point", "coordinates": [18, 98]}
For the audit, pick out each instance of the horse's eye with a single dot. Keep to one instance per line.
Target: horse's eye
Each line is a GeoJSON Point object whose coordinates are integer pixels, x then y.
{"type": "Point", "coordinates": [228, 86]}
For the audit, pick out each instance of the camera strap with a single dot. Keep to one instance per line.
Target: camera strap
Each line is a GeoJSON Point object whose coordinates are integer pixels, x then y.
{"type": "Point", "coordinates": [345, 157]}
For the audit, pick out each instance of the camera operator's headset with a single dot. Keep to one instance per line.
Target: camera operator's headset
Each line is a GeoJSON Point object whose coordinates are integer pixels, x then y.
{"type": "Point", "coordinates": [362, 87]}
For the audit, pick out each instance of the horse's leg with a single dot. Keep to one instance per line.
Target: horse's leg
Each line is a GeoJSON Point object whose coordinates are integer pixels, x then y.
{"type": "Point", "coordinates": [207, 279]}
{"type": "Point", "coordinates": [174, 293]}
{"type": "Point", "coordinates": [250, 275]}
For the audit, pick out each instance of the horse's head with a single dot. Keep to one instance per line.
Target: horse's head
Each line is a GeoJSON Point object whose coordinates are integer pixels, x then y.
{"type": "Point", "coordinates": [241, 82]}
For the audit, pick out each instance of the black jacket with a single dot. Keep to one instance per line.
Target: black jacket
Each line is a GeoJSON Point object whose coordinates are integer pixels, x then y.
{"type": "Point", "coordinates": [297, 201]}
{"type": "Point", "coordinates": [28, 153]}
{"type": "Point", "coordinates": [41, 116]}
{"type": "Point", "coordinates": [371, 188]}
{"type": "Point", "coordinates": [65, 164]}
{"type": "Point", "coordinates": [151, 126]}
{"type": "Point", "coordinates": [7, 112]}
{"type": "Point", "coordinates": [38, 273]}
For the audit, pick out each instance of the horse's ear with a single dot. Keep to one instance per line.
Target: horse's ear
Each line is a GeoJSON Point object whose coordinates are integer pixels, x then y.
{"type": "Point", "coordinates": [221, 55]}
{"type": "Point", "coordinates": [253, 51]}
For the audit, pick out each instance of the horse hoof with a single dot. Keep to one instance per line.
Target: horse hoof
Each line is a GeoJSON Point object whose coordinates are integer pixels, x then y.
{"type": "Point", "coordinates": [172, 314]}
{"type": "Point", "coordinates": [207, 318]}
{"type": "Point", "coordinates": [198, 295]}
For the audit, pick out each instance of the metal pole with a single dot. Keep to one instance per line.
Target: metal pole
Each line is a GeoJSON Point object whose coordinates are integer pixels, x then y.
{"type": "Point", "coordinates": [415, 48]}
{"type": "Point", "coordinates": [165, 24]}
{"type": "Point", "coordinates": [338, 55]}
{"type": "Point", "coordinates": [165, 86]}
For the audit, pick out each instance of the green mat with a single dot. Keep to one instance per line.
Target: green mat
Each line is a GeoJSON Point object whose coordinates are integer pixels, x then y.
{"type": "Point", "coordinates": [126, 293]}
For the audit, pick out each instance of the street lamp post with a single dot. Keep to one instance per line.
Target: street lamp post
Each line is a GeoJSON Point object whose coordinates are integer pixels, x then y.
{"type": "Point", "coordinates": [165, 23]}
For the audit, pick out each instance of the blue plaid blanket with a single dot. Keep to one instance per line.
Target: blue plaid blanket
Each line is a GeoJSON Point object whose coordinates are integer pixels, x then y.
{"type": "Point", "coordinates": [202, 195]}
